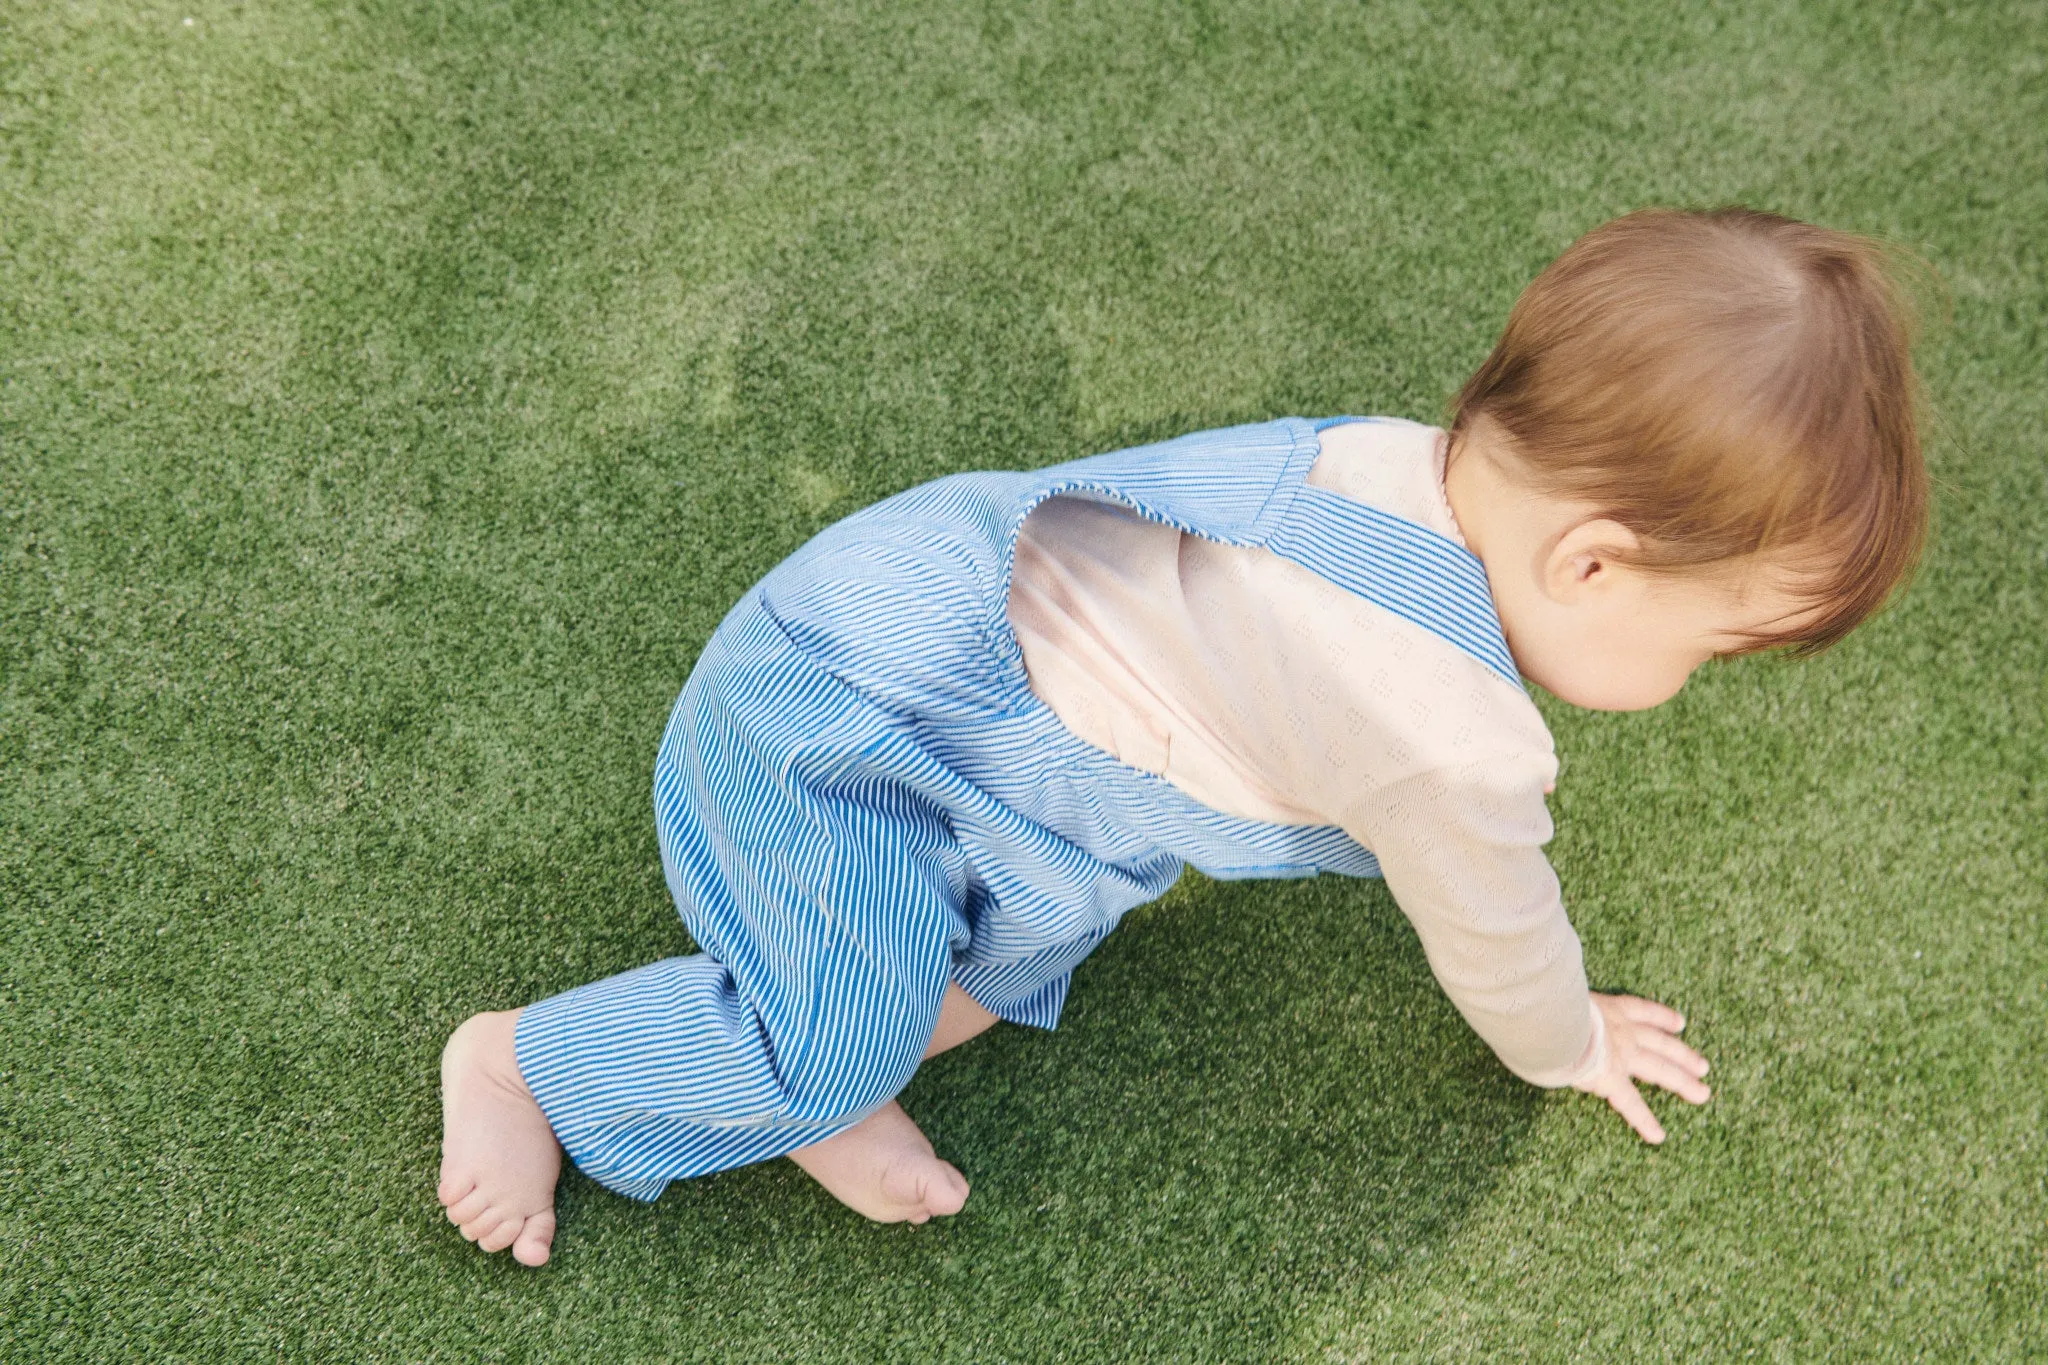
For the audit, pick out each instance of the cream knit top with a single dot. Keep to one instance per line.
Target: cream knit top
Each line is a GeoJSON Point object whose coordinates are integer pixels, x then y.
{"type": "Point", "coordinates": [1267, 692]}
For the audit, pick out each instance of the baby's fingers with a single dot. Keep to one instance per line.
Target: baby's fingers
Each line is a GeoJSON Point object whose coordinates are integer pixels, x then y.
{"type": "Point", "coordinates": [1662, 1071]}
{"type": "Point", "coordinates": [1664, 1045]}
{"type": "Point", "coordinates": [1637, 1010]}
{"type": "Point", "coordinates": [1628, 1102]}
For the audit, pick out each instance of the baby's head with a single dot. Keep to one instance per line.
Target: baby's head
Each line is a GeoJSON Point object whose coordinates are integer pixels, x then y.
{"type": "Point", "coordinates": [1696, 437]}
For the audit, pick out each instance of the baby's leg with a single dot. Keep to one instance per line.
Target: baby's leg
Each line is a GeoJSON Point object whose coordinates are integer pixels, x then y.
{"type": "Point", "coordinates": [499, 1157]}
{"type": "Point", "coordinates": [883, 1166]}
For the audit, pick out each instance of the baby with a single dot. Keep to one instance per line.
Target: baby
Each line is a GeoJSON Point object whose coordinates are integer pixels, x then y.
{"type": "Point", "coordinates": [928, 763]}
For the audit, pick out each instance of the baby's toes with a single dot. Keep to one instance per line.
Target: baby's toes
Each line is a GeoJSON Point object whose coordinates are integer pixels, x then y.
{"type": "Point", "coordinates": [535, 1239]}
{"type": "Point", "coordinates": [945, 1189]}
{"type": "Point", "coordinates": [469, 1208]}
{"type": "Point", "coordinates": [929, 1188]}
{"type": "Point", "coordinates": [903, 1184]}
{"type": "Point", "coordinates": [502, 1236]}
{"type": "Point", "coordinates": [482, 1226]}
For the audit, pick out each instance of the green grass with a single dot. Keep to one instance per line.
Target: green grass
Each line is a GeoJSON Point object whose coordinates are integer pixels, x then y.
{"type": "Point", "coordinates": [393, 397]}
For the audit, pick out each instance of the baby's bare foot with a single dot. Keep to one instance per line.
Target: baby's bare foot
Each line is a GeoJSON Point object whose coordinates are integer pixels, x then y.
{"type": "Point", "coordinates": [499, 1158]}
{"type": "Point", "coordinates": [885, 1168]}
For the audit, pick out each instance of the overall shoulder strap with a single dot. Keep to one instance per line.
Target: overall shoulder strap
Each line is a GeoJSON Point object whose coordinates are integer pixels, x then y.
{"type": "Point", "coordinates": [1227, 484]}
{"type": "Point", "coordinates": [1410, 570]}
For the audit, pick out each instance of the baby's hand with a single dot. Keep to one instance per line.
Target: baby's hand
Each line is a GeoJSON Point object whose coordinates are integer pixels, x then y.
{"type": "Point", "coordinates": [1642, 1044]}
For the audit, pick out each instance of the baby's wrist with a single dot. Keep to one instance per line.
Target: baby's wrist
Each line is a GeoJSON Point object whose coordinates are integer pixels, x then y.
{"type": "Point", "coordinates": [1594, 1060]}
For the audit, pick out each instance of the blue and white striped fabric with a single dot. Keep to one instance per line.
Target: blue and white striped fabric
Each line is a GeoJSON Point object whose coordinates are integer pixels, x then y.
{"type": "Point", "coordinates": [860, 799]}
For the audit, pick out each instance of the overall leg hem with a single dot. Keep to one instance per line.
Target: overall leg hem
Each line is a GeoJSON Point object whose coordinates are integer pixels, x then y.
{"type": "Point", "coordinates": [627, 1071]}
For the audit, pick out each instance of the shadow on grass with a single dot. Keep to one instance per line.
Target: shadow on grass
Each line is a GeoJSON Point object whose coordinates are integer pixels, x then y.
{"type": "Point", "coordinates": [1258, 1099]}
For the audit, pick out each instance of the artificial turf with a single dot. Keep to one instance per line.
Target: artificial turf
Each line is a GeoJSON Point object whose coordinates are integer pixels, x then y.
{"type": "Point", "coordinates": [393, 397]}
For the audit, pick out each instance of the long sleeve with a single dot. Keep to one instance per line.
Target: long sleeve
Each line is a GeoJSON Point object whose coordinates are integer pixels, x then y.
{"type": "Point", "coordinates": [1462, 850]}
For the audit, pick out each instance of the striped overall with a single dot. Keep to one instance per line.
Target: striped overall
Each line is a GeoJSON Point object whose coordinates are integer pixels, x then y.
{"type": "Point", "coordinates": [859, 799]}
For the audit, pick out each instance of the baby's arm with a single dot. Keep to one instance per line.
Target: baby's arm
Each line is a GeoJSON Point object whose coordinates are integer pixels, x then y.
{"type": "Point", "coordinates": [1462, 851]}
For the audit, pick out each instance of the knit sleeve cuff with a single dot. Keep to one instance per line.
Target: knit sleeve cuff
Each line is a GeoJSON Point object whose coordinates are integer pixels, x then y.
{"type": "Point", "coordinates": [1590, 1061]}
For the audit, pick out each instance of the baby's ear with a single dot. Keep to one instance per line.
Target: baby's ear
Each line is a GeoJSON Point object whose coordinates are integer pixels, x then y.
{"type": "Point", "coordinates": [1588, 559]}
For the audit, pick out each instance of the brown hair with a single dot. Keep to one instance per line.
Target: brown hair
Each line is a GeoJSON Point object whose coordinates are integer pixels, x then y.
{"type": "Point", "coordinates": [1723, 383]}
